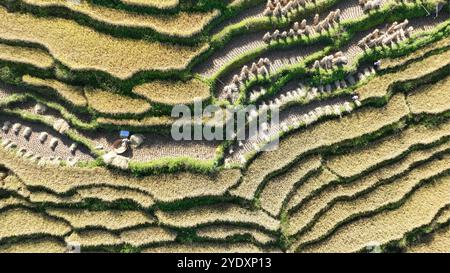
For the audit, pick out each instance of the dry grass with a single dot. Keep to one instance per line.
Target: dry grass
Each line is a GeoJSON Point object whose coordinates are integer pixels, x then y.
{"type": "Point", "coordinates": [182, 24]}
{"type": "Point", "coordinates": [360, 160]}
{"type": "Point", "coordinates": [306, 213]}
{"type": "Point", "coordinates": [310, 185]}
{"type": "Point", "coordinates": [104, 193]}
{"type": "Point", "coordinates": [381, 196]}
{"type": "Point", "coordinates": [12, 202]}
{"type": "Point", "coordinates": [145, 122]}
{"type": "Point", "coordinates": [112, 220]}
{"type": "Point", "coordinates": [205, 248]}
{"type": "Point", "coordinates": [114, 104]}
{"type": "Point", "coordinates": [438, 243]}
{"type": "Point", "coordinates": [278, 188]}
{"type": "Point", "coordinates": [418, 210]}
{"type": "Point", "coordinates": [35, 246]}
{"type": "Point", "coordinates": [45, 197]}
{"type": "Point", "coordinates": [378, 87]}
{"type": "Point", "coordinates": [147, 235]}
{"type": "Point", "coordinates": [433, 99]}
{"type": "Point", "coordinates": [21, 222]}
{"type": "Point", "coordinates": [72, 94]}
{"type": "Point", "coordinates": [390, 63]}
{"type": "Point", "coordinates": [223, 213]}
{"type": "Point", "coordinates": [362, 122]}
{"type": "Point", "coordinates": [443, 218]}
{"type": "Point", "coordinates": [32, 56]}
{"type": "Point", "coordinates": [226, 232]}
{"type": "Point", "coordinates": [136, 237]}
{"type": "Point", "coordinates": [111, 194]}
{"type": "Point", "coordinates": [82, 48]}
{"type": "Point", "coordinates": [160, 4]}
{"type": "Point", "coordinates": [164, 187]}
{"type": "Point", "coordinates": [172, 93]}
{"type": "Point", "coordinates": [92, 238]}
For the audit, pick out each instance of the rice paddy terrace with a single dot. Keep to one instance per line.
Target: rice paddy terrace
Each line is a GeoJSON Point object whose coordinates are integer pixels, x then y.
{"type": "Point", "coordinates": [363, 163]}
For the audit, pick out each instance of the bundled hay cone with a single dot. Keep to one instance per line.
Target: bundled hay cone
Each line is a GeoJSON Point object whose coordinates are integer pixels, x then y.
{"type": "Point", "coordinates": [43, 137]}
{"type": "Point", "coordinates": [6, 126]}
{"type": "Point", "coordinates": [27, 132]}
{"type": "Point", "coordinates": [137, 140]}
{"type": "Point", "coordinates": [116, 160]}
{"type": "Point", "coordinates": [61, 126]}
{"type": "Point", "coordinates": [16, 128]}
{"type": "Point", "coordinates": [40, 108]}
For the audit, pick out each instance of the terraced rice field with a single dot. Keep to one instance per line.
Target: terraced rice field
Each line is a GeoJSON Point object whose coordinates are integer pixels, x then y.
{"type": "Point", "coordinates": [88, 107]}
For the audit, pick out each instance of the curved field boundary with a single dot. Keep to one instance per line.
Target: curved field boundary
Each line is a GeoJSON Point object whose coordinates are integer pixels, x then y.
{"type": "Point", "coordinates": [23, 222]}
{"type": "Point", "coordinates": [306, 213]}
{"type": "Point", "coordinates": [182, 185]}
{"type": "Point", "coordinates": [309, 187]}
{"type": "Point", "coordinates": [173, 93]}
{"type": "Point", "coordinates": [40, 245]}
{"type": "Point", "coordinates": [418, 210]}
{"type": "Point", "coordinates": [208, 248]}
{"type": "Point", "coordinates": [84, 48]}
{"type": "Point", "coordinates": [378, 199]}
{"type": "Point", "coordinates": [364, 122]}
{"type": "Point", "coordinates": [26, 55]}
{"type": "Point", "coordinates": [276, 190]}
{"type": "Point", "coordinates": [430, 99]}
{"type": "Point", "coordinates": [103, 193]}
{"type": "Point", "coordinates": [224, 233]}
{"type": "Point", "coordinates": [369, 157]}
{"type": "Point", "coordinates": [168, 28]}
{"type": "Point", "coordinates": [217, 214]}
{"type": "Point", "coordinates": [72, 94]}
{"type": "Point", "coordinates": [135, 237]}
{"type": "Point", "coordinates": [111, 220]}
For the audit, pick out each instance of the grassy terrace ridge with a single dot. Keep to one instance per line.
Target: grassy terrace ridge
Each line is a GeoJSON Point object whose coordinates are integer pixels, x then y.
{"type": "Point", "coordinates": [366, 203]}
{"type": "Point", "coordinates": [311, 185]}
{"type": "Point", "coordinates": [21, 222]}
{"type": "Point", "coordinates": [379, 86]}
{"type": "Point", "coordinates": [274, 192]}
{"type": "Point", "coordinates": [64, 179]}
{"type": "Point", "coordinates": [304, 214]}
{"type": "Point", "coordinates": [72, 94]}
{"type": "Point", "coordinates": [82, 48]}
{"type": "Point", "coordinates": [135, 237]}
{"type": "Point", "coordinates": [42, 245]}
{"type": "Point", "coordinates": [160, 4]}
{"type": "Point", "coordinates": [26, 55]}
{"type": "Point", "coordinates": [217, 214]}
{"type": "Point", "coordinates": [168, 28]}
{"type": "Point", "coordinates": [360, 123]}
{"type": "Point", "coordinates": [207, 248]}
{"type": "Point", "coordinates": [370, 156]}
{"type": "Point", "coordinates": [333, 42]}
{"type": "Point", "coordinates": [109, 103]}
{"type": "Point", "coordinates": [102, 193]}
{"type": "Point", "coordinates": [111, 220]}
{"type": "Point", "coordinates": [431, 99]}
{"type": "Point", "coordinates": [173, 93]}
{"type": "Point", "coordinates": [225, 232]}
{"type": "Point", "coordinates": [418, 210]}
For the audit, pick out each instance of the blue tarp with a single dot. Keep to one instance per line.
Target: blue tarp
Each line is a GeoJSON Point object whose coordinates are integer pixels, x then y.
{"type": "Point", "coordinates": [124, 133]}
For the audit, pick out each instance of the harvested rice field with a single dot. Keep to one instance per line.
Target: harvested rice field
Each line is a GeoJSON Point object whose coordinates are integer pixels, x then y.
{"type": "Point", "coordinates": [246, 126]}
